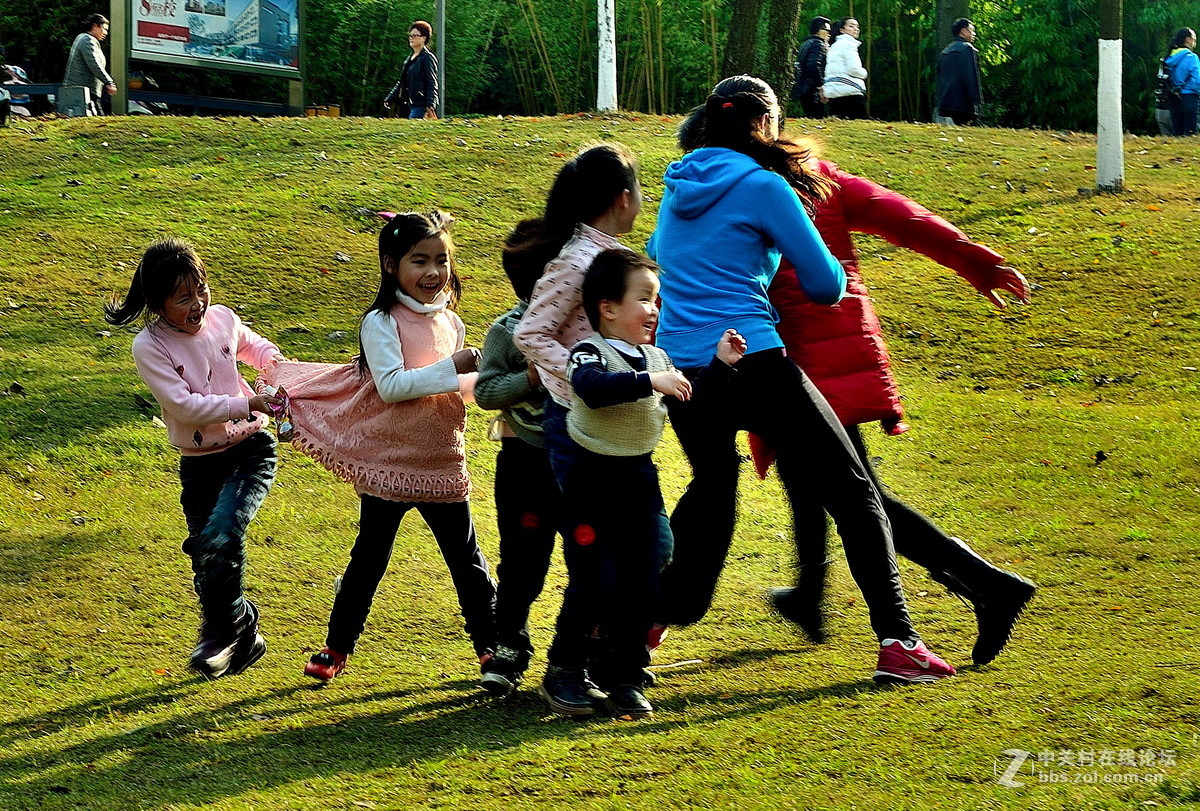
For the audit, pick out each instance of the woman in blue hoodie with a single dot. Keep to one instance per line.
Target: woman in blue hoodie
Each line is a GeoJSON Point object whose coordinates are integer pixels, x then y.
{"type": "Point", "coordinates": [1185, 74]}
{"type": "Point", "coordinates": [729, 211]}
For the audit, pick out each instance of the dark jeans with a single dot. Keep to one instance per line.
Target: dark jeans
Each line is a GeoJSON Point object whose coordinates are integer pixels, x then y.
{"type": "Point", "coordinates": [1183, 115]}
{"type": "Point", "coordinates": [528, 515]}
{"type": "Point", "coordinates": [614, 551]}
{"type": "Point", "coordinates": [454, 532]}
{"type": "Point", "coordinates": [812, 105]}
{"type": "Point", "coordinates": [914, 535]}
{"type": "Point", "coordinates": [771, 397]}
{"type": "Point", "coordinates": [416, 112]}
{"type": "Point", "coordinates": [849, 107]}
{"type": "Point", "coordinates": [221, 493]}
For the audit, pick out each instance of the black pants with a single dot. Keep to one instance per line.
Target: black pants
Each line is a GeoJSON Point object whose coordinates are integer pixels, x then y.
{"type": "Point", "coordinates": [528, 512]}
{"type": "Point", "coordinates": [812, 105]}
{"type": "Point", "coordinates": [221, 493]}
{"type": "Point", "coordinates": [454, 532]}
{"type": "Point", "coordinates": [960, 118]}
{"type": "Point", "coordinates": [1183, 114]}
{"type": "Point", "coordinates": [773, 398]}
{"type": "Point", "coordinates": [849, 107]}
{"type": "Point", "coordinates": [614, 551]}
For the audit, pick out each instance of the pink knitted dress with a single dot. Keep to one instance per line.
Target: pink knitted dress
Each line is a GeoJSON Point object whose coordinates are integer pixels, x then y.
{"type": "Point", "coordinates": [408, 451]}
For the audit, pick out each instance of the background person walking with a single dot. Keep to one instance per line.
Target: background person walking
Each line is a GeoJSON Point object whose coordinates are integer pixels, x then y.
{"type": "Point", "coordinates": [959, 88]}
{"type": "Point", "coordinates": [1184, 66]}
{"type": "Point", "coordinates": [810, 69]}
{"type": "Point", "coordinates": [86, 64]}
{"type": "Point", "coordinates": [845, 77]}
{"type": "Point", "coordinates": [415, 93]}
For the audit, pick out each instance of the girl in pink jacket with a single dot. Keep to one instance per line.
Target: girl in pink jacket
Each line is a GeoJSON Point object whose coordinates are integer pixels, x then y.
{"type": "Point", "coordinates": [188, 355]}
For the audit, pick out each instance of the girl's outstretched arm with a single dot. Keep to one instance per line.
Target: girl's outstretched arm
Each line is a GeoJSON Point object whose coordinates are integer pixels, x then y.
{"type": "Point", "coordinates": [873, 209]}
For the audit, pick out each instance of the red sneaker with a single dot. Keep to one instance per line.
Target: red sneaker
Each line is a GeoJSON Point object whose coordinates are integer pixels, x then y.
{"type": "Point", "coordinates": [326, 664]}
{"type": "Point", "coordinates": [909, 663]}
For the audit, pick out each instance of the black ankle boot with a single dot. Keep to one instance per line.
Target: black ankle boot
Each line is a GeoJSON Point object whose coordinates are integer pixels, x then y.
{"type": "Point", "coordinates": [997, 597]}
{"type": "Point", "coordinates": [250, 645]}
{"type": "Point", "coordinates": [801, 605]}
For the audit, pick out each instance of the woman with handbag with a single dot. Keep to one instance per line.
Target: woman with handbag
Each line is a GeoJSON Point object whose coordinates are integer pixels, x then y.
{"type": "Point", "coordinates": [415, 93]}
{"type": "Point", "coordinates": [845, 77]}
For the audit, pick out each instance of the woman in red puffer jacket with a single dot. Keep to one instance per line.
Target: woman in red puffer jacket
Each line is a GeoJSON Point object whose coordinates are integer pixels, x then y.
{"type": "Point", "coordinates": [841, 348]}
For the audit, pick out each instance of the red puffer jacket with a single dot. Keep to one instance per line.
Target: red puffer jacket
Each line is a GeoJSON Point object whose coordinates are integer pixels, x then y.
{"type": "Point", "coordinates": [841, 348]}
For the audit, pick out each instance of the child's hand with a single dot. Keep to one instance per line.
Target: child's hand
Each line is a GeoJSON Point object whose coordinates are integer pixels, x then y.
{"type": "Point", "coordinates": [732, 347]}
{"type": "Point", "coordinates": [533, 375]}
{"type": "Point", "coordinates": [466, 361]}
{"type": "Point", "coordinates": [671, 383]}
{"type": "Point", "coordinates": [262, 403]}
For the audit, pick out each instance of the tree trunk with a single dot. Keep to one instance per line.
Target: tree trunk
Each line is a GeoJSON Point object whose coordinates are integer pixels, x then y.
{"type": "Point", "coordinates": [783, 17]}
{"type": "Point", "coordinates": [947, 12]}
{"type": "Point", "coordinates": [741, 48]}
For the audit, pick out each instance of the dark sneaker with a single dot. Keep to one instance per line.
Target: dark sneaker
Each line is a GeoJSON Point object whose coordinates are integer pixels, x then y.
{"type": "Point", "coordinates": [250, 645]}
{"type": "Point", "coordinates": [909, 663]}
{"type": "Point", "coordinates": [504, 671]}
{"type": "Point", "coordinates": [997, 602]}
{"type": "Point", "coordinates": [627, 701]}
{"type": "Point", "coordinates": [569, 692]}
{"type": "Point", "coordinates": [214, 652]}
{"type": "Point", "coordinates": [800, 608]}
{"type": "Point", "coordinates": [326, 664]}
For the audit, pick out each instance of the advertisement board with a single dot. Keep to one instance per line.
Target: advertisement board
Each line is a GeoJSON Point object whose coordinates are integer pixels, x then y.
{"type": "Point", "coordinates": [246, 35]}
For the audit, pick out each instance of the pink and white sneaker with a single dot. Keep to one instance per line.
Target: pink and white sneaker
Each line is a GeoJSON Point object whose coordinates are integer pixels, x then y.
{"type": "Point", "coordinates": [909, 663]}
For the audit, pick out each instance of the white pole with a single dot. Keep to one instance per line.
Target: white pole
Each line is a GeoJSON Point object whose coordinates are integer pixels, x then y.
{"type": "Point", "coordinates": [1110, 155]}
{"type": "Point", "coordinates": [606, 79]}
{"type": "Point", "coordinates": [441, 58]}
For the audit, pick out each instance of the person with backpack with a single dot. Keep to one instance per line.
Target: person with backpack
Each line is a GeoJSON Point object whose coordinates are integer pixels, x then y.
{"type": "Point", "coordinates": [1184, 68]}
{"type": "Point", "coordinates": [810, 68]}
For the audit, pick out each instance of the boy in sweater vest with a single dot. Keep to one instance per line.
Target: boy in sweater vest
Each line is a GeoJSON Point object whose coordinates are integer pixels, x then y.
{"type": "Point", "coordinates": [620, 538]}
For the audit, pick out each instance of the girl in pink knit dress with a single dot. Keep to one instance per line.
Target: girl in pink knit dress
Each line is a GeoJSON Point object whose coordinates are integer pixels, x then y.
{"type": "Point", "coordinates": [392, 424]}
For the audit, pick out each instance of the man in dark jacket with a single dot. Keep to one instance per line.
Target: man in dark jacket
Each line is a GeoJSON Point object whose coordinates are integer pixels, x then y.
{"type": "Point", "coordinates": [959, 93]}
{"type": "Point", "coordinates": [810, 68]}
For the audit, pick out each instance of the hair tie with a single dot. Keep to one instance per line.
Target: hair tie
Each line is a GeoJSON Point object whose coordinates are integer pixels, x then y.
{"type": "Point", "coordinates": [727, 104]}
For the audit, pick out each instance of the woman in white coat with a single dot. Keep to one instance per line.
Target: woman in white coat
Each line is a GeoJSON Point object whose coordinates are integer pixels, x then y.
{"type": "Point", "coordinates": [845, 77]}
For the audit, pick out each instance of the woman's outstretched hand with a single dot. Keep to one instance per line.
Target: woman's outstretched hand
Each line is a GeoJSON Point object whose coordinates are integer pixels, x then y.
{"type": "Point", "coordinates": [1009, 280]}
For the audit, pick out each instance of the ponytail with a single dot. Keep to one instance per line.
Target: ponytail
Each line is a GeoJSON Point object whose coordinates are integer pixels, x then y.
{"type": "Point", "coordinates": [729, 118]}
{"type": "Point", "coordinates": [584, 189]}
{"type": "Point", "coordinates": [165, 266]}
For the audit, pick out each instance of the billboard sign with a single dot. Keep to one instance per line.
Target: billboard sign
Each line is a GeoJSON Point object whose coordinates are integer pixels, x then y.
{"type": "Point", "coordinates": [249, 35]}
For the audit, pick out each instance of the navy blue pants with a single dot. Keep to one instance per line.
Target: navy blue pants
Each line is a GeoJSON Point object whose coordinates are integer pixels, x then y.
{"type": "Point", "coordinates": [1183, 114]}
{"type": "Point", "coordinates": [615, 546]}
{"type": "Point", "coordinates": [221, 493]}
{"type": "Point", "coordinates": [528, 516]}
{"type": "Point", "coordinates": [454, 531]}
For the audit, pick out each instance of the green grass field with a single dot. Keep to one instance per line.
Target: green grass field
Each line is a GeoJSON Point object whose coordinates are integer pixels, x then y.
{"type": "Point", "coordinates": [1009, 410]}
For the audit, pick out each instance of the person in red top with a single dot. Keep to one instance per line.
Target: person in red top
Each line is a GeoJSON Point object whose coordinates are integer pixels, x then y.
{"type": "Point", "coordinates": [841, 349]}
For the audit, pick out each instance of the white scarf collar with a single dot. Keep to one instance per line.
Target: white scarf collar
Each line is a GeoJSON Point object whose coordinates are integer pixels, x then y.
{"type": "Point", "coordinates": [436, 306]}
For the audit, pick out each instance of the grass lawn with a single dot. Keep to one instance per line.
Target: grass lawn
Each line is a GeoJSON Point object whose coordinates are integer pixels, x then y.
{"type": "Point", "coordinates": [1009, 410]}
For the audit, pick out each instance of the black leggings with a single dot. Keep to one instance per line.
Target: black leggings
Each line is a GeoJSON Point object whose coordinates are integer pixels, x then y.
{"type": "Point", "coordinates": [773, 398]}
{"type": "Point", "coordinates": [914, 535]}
{"type": "Point", "coordinates": [454, 531]}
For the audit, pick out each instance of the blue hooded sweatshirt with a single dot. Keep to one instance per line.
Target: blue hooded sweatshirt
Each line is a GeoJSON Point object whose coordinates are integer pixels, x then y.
{"type": "Point", "coordinates": [722, 226]}
{"type": "Point", "coordinates": [1185, 70]}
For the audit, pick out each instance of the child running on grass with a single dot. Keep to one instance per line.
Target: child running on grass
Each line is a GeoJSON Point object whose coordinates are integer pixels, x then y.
{"type": "Point", "coordinates": [528, 501]}
{"type": "Point", "coordinates": [188, 355]}
{"type": "Point", "coordinates": [595, 198]}
{"type": "Point", "coordinates": [613, 551]}
{"type": "Point", "coordinates": [392, 423]}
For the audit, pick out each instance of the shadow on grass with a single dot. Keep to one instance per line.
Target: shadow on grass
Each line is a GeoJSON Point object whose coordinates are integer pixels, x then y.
{"type": "Point", "coordinates": [183, 760]}
{"type": "Point", "coordinates": [32, 557]}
